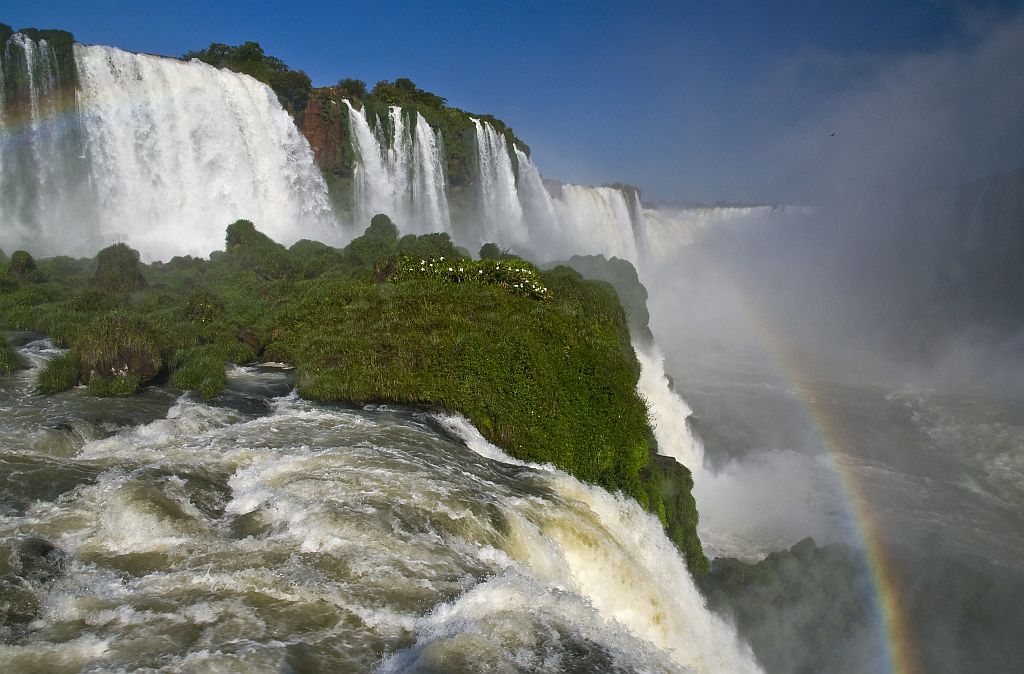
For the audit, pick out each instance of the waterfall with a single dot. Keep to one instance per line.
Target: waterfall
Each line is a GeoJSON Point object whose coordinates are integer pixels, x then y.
{"type": "Point", "coordinates": [598, 220]}
{"type": "Point", "coordinates": [500, 210]}
{"type": "Point", "coordinates": [667, 229]}
{"type": "Point", "coordinates": [399, 172]}
{"type": "Point", "coordinates": [429, 196]}
{"type": "Point", "coordinates": [179, 150]}
{"type": "Point", "coordinates": [38, 162]}
{"type": "Point", "coordinates": [155, 152]}
{"type": "Point", "coordinates": [669, 412]}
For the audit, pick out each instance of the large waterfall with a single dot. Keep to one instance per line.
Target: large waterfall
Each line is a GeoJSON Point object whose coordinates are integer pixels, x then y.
{"type": "Point", "coordinates": [41, 168]}
{"type": "Point", "coordinates": [162, 154]}
{"type": "Point", "coordinates": [156, 152]}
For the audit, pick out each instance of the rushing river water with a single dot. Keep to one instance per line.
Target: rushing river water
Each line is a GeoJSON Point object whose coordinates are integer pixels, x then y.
{"type": "Point", "coordinates": [267, 533]}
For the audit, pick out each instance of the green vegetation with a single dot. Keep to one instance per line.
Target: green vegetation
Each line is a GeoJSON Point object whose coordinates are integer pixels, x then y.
{"type": "Point", "coordinates": [291, 86]}
{"type": "Point", "coordinates": [21, 265]}
{"type": "Point", "coordinates": [117, 268]}
{"type": "Point", "coordinates": [59, 374]}
{"type": "Point", "coordinates": [9, 358]}
{"type": "Point", "coordinates": [623, 277]}
{"type": "Point", "coordinates": [540, 361]}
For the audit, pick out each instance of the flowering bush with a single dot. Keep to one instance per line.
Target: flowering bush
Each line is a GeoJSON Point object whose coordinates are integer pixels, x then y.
{"type": "Point", "coordinates": [514, 275]}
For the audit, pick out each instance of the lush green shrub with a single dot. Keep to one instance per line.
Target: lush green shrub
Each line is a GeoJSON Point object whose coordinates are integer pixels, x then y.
{"type": "Point", "coordinates": [379, 241]}
{"type": "Point", "coordinates": [117, 386]}
{"type": "Point", "coordinates": [491, 251]}
{"type": "Point", "coordinates": [22, 264]}
{"type": "Point", "coordinates": [312, 258]}
{"type": "Point", "coordinates": [9, 358]}
{"type": "Point", "coordinates": [117, 268]}
{"type": "Point", "coordinates": [438, 244]}
{"type": "Point", "coordinates": [202, 369]}
{"type": "Point", "coordinates": [248, 248]}
{"type": "Point", "coordinates": [202, 306]}
{"type": "Point", "coordinates": [59, 374]}
{"type": "Point", "coordinates": [116, 345]}
{"type": "Point", "coordinates": [351, 87]}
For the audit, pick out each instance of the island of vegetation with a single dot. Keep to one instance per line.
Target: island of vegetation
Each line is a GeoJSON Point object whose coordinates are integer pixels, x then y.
{"type": "Point", "coordinates": [540, 361]}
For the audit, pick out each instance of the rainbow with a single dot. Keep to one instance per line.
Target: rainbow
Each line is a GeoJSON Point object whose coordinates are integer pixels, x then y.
{"type": "Point", "coordinates": [900, 656]}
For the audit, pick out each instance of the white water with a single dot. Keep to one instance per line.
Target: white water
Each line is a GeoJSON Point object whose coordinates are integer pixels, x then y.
{"type": "Point", "coordinates": [158, 153]}
{"type": "Point", "coordinates": [669, 412]}
{"type": "Point", "coordinates": [598, 220]}
{"type": "Point", "coordinates": [668, 229]}
{"type": "Point", "coordinates": [215, 540]}
{"type": "Point", "coordinates": [610, 551]}
{"type": "Point", "coordinates": [500, 210]}
{"type": "Point", "coordinates": [429, 193]}
{"type": "Point", "coordinates": [399, 172]}
{"type": "Point", "coordinates": [180, 150]}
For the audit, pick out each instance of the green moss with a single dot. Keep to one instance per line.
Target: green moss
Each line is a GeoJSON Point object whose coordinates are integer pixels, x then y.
{"type": "Point", "coordinates": [60, 374]}
{"type": "Point", "coordinates": [9, 358]}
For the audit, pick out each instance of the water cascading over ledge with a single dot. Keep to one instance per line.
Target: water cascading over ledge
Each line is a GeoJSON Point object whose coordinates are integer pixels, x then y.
{"type": "Point", "coordinates": [399, 171]}
{"type": "Point", "coordinates": [155, 152]}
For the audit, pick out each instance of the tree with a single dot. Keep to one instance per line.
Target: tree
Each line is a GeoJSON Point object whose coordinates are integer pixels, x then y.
{"type": "Point", "coordinates": [352, 87]}
{"type": "Point", "coordinates": [117, 268]}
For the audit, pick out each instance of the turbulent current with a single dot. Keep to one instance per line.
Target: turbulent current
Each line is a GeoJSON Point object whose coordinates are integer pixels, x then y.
{"type": "Point", "coordinates": [267, 533]}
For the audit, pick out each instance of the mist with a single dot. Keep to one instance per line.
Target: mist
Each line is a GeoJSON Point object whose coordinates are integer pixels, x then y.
{"type": "Point", "coordinates": [905, 263]}
{"type": "Point", "coordinates": [869, 330]}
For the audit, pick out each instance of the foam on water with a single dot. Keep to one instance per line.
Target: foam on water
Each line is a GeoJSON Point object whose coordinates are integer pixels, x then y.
{"type": "Point", "coordinates": [215, 539]}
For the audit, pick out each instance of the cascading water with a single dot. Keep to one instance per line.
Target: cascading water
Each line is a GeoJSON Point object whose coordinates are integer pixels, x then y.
{"type": "Point", "coordinates": [429, 196]}
{"type": "Point", "coordinates": [598, 220]}
{"type": "Point", "coordinates": [500, 210]}
{"type": "Point", "coordinates": [399, 172]}
{"type": "Point", "coordinates": [296, 536]}
{"type": "Point", "coordinates": [667, 229]}
{"type": "Point", "coordinates": [669, 412]}
{"type": "Point", "coordinates": [158, 153]}
{"type": "Point", "coordinates": [40, 163]}
{"type": "Point", "coordinates": [179, 149]}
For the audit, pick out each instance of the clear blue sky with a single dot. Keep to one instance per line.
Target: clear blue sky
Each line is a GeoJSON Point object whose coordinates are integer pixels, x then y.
{"type": "Point", "coordinates": [680, 98]}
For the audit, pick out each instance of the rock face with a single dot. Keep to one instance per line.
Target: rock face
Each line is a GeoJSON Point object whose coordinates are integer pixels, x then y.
{"type": "Point", "coordinates": [326, 129]}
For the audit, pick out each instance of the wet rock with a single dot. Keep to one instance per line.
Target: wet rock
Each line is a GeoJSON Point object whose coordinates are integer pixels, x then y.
{"type": "Point", "coordinates": [27, 563]}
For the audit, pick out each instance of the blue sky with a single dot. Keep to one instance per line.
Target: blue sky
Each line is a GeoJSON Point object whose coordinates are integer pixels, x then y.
{"type": "Point", "coordinates": [687, 100]}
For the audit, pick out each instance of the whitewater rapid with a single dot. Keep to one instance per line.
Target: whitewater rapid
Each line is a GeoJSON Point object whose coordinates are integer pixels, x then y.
{"type": "Point", "coordinates": [265, 533]}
